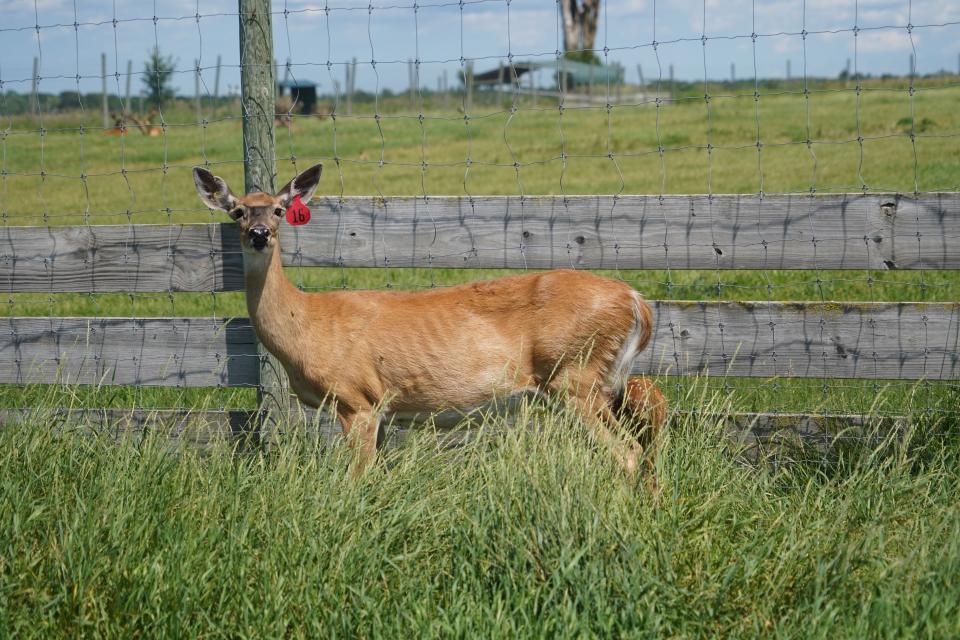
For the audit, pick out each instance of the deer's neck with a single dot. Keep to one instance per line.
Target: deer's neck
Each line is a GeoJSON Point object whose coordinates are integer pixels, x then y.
{"type": "Point", "coordinates": [275, 306]}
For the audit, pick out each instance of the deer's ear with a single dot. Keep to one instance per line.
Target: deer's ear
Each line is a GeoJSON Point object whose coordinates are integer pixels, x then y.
{"type": "Point", "coordinates": [304, 185]}
{"type": "Point", "coordinates": [213, 190]}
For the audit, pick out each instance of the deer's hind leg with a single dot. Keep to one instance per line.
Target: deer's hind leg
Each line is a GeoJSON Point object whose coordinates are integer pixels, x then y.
{"type": "Point", "coordinates": [361, 429]}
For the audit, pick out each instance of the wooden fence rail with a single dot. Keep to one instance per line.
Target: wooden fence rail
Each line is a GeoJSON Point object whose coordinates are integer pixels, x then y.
{"type": "Point", "coordinates": [756, 339]}
{"type": "Point", "coordinates": [752, 433]}
{"type": "Point", "coordinates": [586, 232]}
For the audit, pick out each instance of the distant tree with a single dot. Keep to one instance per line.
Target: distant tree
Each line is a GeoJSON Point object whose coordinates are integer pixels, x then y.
{"type": "Point", "coordinates": [580, 28]}
{"type": "Point", "coordinates": [157, 76]}
{"type": "Point", "coordinates": [68, 100]}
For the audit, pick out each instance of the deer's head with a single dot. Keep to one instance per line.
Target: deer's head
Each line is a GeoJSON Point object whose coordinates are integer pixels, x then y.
{"type": "Point", "coordinates": [257, 213]}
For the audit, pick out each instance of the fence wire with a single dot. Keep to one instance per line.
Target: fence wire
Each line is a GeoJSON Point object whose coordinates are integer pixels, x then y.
{"type": "Point", "coordinates": [485, 112]}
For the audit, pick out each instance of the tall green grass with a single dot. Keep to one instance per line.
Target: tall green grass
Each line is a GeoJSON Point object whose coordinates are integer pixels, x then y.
{"type": "Point", "coordinates": [519, 534]}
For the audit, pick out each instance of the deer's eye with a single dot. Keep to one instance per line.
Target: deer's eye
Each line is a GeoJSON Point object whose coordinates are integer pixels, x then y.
{"type": "Point", "coordinates": [278, 211]}
{"type": "Point", "coordinates": [237, 213]}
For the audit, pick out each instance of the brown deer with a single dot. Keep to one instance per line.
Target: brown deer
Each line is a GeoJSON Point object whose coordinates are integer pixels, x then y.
{"type": "Point", "coordinates": [144, 125]}
{"type": "Point", "coordinates": [556, 332]}
{"type": "Point", "coordinates": [120, 127]}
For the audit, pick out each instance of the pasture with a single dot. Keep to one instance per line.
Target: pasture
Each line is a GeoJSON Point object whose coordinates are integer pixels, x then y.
{"type": "Point", "coordinates": [526, 533]}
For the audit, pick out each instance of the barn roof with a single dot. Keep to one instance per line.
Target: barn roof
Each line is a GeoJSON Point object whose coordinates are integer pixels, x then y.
{"type": "Point", "coordinates": [296, 84]}
{"type": "Point", "coordinates": [579, 72]}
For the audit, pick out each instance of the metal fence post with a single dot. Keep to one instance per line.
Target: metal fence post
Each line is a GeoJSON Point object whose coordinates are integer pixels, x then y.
{"type": "Point", "coordinates": [258, 104]}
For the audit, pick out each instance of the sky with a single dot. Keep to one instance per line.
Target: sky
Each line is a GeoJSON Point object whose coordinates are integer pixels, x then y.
{"type": "Point", "coordinates": [319, 36]}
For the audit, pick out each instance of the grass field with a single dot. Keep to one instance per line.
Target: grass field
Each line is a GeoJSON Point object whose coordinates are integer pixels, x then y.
{"type": "Point", "coordinates": [521, 533]}
{"type": "Point", "coordinates": [524, 534]}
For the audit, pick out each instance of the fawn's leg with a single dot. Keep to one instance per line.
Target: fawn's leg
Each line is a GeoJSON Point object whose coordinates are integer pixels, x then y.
{"type": "Point", "coordinates": [642, 409]}
{"type": "Point", "coordinates": [582, 388]}
{"type": "Point", "coordinates": [607, 431]}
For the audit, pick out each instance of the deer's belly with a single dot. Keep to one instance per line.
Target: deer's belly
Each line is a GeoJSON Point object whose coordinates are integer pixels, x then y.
{"type": "Point", "coordinates": [431, 390]}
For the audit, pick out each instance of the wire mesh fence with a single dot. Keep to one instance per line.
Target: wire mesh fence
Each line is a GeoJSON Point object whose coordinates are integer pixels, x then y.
{"type": "Point", "coordinates": [106, 109]}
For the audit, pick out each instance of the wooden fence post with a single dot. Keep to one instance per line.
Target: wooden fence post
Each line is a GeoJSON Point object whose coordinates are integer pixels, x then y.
{"type": "Point", "coordinates": [196, 91]}
{"type": "Point", "coordinates": [412, 81]}
{"type": "Point", "coordinates": [468, 87]}
{"type": "Point", "coordinates": [216, 83]}
{"type": "Point", "coordinates": [103, 76]}
{"type": "Point", "coordinates": [258, 103]}
{"type": "Point", "coordinates": [349, 81]}
{"type": "Point", "coordinates": [126, 100]}
{"type": "Point", "coordinates": [446, 91]}
{"type": "Point", "coordinates": [34, 95]}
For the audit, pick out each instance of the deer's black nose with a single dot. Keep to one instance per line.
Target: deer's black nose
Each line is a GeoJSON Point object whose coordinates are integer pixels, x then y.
{"type": "Point", "coordinates": [259, 237]}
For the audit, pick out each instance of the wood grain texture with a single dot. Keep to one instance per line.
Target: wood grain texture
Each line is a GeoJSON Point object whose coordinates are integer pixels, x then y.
{"type": "Point", "coordinates": [832, 340]}
{"type": "Point", "coordinates": [139, 258]}
{"type": "Point", "coordinates": [258, 97]}
{"type": "Point", "coordinates": [192, 427]}
{"type": "Point", "coordinates": [181, 352]}
{"type": "Point", "coordinates": [907, 341]}
{"type": "Point", "coordinates": [845, 231]}
{"type": "Point", "coordinates": [587, 232]}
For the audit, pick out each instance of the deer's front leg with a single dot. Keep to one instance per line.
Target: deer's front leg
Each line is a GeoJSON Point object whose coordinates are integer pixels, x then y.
{"type": "Point", "coordinates": [360, 429]}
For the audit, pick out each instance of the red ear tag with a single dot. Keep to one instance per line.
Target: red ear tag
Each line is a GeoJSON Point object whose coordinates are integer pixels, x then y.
{"type": "Point", "coordinates": [297, 212]}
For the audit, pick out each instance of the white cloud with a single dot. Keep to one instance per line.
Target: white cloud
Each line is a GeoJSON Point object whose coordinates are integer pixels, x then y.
{"type": "Point", "coordinates": [529, 30]}
{"type": "Point", "coordinates": [885, 41]}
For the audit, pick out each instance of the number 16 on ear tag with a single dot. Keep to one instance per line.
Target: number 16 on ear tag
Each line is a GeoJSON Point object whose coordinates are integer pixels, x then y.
{"type": "Point", "coordinates": [298, 213]}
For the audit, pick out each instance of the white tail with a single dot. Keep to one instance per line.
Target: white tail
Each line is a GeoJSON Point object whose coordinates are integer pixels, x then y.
{"type": "Point", "coordinates": [567, 332]}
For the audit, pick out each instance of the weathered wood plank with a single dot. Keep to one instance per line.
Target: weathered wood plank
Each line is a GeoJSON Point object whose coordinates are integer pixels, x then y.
{"type": "Point", "coordinates": [751, 434]}
{"type": "Point", "coordinates": [588, 232]}
{"type": "Point", "coordinates": [206, 427]}
{"type": "Point", "coordinates": [194, 427]}
{"type": "Point", "coordinates": [841, 231]}
{"type": "Point", "coordinates": [182, 352]}
{"type": "Point", "coordinates": [138, 258]}
{"type": "Point", "coordinates": [805, 340]}
{"type": "Point", "coordinates": [834, 340]}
